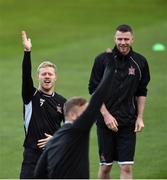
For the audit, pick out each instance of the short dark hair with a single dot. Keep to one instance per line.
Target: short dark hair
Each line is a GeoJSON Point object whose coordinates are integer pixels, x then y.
{"type": "Point", "coordinates": [124, 28]}
{"type": "Point", "coordinates": [72, 103]}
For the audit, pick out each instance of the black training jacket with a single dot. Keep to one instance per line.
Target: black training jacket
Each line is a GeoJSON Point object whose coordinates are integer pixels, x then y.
{"type": "Point", "coordinates": [42, 113]}
{"type": "Point", "coordinates": [130, 81]}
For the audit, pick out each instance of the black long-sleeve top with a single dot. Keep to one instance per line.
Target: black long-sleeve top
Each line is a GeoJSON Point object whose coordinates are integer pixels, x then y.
{"type": "Point", "coordinates": [43, 113]}
{"type": "Point", "coordinates": [66, 155]}
{"type": "Point", "coordinates": [131, 80]}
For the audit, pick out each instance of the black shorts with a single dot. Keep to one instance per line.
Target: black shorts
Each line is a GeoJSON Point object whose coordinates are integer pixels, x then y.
{"type": "Point", "coordinates": [116, 146]}
{"type": "Point", "coordinates": [30, 158]}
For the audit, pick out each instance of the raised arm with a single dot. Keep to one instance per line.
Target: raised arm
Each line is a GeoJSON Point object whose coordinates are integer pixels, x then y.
{"type": "Point", "coordinates": [86, 120]}
{"type": "Point", "coordinates": [27, 82]}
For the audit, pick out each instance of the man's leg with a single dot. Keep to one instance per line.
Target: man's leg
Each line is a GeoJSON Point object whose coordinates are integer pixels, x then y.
{"type": "Point", "coordinates": [30, 158]}
{"type": "Point", "coordinates": [104, 171]}
{"type": "Point", "coordinates": [106, 151]}
{"type": "Point", "coordinates": [126, 171]}
{"type": "Point", "coordinates": [126, 145]}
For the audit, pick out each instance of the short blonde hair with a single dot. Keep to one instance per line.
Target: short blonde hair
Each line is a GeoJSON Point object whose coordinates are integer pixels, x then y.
{"type": "Point", "coordinates": [46, 64]}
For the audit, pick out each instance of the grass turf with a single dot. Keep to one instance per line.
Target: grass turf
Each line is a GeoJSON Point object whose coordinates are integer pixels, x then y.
{"type": "Point", "coordinates": [71, 33]}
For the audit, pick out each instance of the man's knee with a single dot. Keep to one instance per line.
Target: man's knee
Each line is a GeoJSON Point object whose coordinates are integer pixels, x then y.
{"type": "Point", "coordinates": [104, 172]}
{"type": "Point", "coordinates": [126, 168]}
{"type": "Point", "coordinates": [105, 169]}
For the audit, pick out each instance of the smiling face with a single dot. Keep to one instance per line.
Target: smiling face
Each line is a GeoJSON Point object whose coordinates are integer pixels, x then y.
{"type": "Point", "coordinates": [47, 78]}
{"type": "Point", "coordinates": [123, 41]}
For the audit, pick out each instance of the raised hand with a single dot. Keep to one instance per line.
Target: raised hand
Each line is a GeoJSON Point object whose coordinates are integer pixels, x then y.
{"type": "Point", "coordinates": [108, 50]}
{"type": "Point", "coordinates": [26, 41]}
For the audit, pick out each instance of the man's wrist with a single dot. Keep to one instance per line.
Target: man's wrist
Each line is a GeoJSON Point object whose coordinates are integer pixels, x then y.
{"type": "Point", "coordinates": [140, 116]}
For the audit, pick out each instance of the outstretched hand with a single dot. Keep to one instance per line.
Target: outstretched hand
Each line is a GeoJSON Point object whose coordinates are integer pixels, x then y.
{"type": "Point", "coordinates": [26, 41]}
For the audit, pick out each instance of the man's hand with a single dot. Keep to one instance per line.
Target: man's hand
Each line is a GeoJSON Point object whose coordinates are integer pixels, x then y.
{"type": "Point", "coordinates": [111, 122]}
{"type": "Point", "coordinates": [108, 50]}
{"type": "Point", "coordinates": [42, 142]}
{"type": "Point", "coordinates": [26, 41]}
{"type": "Point", "coordinates": [139, 126]}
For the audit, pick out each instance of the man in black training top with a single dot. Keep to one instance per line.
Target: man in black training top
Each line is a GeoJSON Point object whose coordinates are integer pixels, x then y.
{"type": "Point", "coordinates": [43, 109]}
{"type": "Point", "coordinates": [122, 116]}
{"type": "Point", "coordinates": [66, 154]}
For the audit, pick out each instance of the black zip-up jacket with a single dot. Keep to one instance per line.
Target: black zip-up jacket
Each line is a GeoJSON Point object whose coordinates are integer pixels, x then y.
{"type": "Point", "coordinates": [130, 81]}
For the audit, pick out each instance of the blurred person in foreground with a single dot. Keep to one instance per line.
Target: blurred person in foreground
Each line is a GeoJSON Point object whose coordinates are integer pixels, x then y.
{"type": "Point", "coordinates": [122, 115]}
{"type": "Point", "coordinates": [42, 109]}
{"type": "Point", "coordinates": [66, 154]}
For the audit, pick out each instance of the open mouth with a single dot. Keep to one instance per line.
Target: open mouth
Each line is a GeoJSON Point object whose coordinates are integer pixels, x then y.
{"type": "Point", "coordinates": [123, 46]}
{"type": "Point", "coordinates": [47, 81]}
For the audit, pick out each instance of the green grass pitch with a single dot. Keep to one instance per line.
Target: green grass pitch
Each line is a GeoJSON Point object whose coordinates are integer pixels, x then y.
{"type": "Point", "coordinates": [71, 33]}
